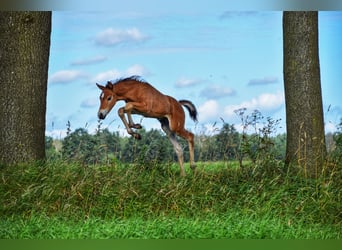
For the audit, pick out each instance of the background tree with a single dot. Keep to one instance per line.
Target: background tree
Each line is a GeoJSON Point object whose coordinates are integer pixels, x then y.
{"type": "Point", "coordinates": [24, 56]}
{"type": "Point", "coordinates": [226, 142]}
{"type": "Point", "coordinates": [80, 146]}
{"type": "Point", "coordinates": [303, 97]}
{"type": "Point", "coordinates": [154, 147]}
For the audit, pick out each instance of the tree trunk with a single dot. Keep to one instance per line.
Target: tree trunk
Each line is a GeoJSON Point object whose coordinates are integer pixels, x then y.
{"type": "Point", "coordinates": [24, 57]}
{"type": "Point", "coordinates": [303, 97]}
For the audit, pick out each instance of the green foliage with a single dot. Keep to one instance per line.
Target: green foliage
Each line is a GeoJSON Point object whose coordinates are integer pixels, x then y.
{"type": "Point", "coordinates": [50, 149]}
{"type": "Point", "coordinates": [337, 152]}
{"type": "Point", "coordinates": [226, 143]}
{"type": "Point", "coordinates": [256, 142]}
{"type": "Point", "coordinates": [154, 147]}
{"type": "Point", "coordinates": [80, 146]}
{"type": "Point", "coordinates": [257, 139]}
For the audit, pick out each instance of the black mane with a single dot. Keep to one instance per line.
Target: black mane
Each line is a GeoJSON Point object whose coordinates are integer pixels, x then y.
{"type": "Point", "coordinates": [126, 79]}
{"type": "Point", "coordinates": [131, 78]}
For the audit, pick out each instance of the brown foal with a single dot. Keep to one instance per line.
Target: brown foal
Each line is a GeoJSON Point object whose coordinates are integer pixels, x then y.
{"type": "Point", "coordinates": [143, 99]}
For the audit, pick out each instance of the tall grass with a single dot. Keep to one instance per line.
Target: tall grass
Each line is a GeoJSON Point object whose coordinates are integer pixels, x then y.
{"type": "Point", "coordinates": [267, 195]}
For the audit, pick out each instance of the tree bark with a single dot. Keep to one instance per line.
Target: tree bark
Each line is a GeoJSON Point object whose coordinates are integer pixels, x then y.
{"type": "Point", "coordinates": [303, 97]}
{"type": "Point", "coordinates": [24, 57]}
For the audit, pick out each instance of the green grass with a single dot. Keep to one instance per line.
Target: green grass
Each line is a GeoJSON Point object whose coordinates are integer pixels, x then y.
{"type": "Point", "coordinates": [231, 225]}
{"type": "Point", "coordinates": [62, 200]}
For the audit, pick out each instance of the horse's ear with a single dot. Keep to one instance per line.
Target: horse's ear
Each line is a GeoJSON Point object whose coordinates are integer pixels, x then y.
{"type": "Point", "coordinates": [109, 85]}
{"type": "Point", "coordinates": [100, 86]}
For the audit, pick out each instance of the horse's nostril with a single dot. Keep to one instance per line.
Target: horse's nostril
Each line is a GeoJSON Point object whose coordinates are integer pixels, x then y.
{"type": "Point", "coordinates": [101, 116]}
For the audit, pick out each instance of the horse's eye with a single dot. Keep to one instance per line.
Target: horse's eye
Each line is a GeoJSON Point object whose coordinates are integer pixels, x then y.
{"type": "Point", "coordinates": [109, 98]}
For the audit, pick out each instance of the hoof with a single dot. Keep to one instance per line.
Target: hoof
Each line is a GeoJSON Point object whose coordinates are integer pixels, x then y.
{"type": "Point", "coordinates": [136, 136]}
{"type": "Point", "coordinates": [137, 126]}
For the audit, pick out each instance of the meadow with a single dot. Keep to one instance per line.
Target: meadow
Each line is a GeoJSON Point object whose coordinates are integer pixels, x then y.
{"type": "Point", "coordinates": [63, 200]}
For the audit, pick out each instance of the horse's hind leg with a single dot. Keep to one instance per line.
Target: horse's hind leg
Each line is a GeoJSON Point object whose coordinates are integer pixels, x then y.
{"type": "Point", "coordinates": [190, 138]}
{"type": "Point", "coordinates": [176, 146]}
{"type": "Point", "coordinates": [177, 126]}
{"type": "Point", "coordinates": [179, 151]}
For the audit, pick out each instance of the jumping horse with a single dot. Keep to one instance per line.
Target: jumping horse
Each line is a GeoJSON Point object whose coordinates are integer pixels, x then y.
{"type": "Point", "coordinates": [143, 99]}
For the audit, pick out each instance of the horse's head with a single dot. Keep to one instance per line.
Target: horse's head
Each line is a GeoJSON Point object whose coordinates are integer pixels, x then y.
{"type": "Point", "coordinates": [107, 99]}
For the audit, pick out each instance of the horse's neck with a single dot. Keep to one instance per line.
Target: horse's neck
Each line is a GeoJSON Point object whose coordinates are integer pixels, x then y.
{"type": "Point", "coordinates": [122, 88]}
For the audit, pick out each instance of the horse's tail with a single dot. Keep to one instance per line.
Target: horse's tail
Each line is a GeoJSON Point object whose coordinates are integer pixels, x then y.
{"type": "Point", "coordinates": [191, 108]}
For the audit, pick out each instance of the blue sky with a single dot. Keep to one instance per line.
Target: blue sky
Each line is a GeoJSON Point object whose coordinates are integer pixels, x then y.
{"type": "Point", "coordinates": [221, 60]}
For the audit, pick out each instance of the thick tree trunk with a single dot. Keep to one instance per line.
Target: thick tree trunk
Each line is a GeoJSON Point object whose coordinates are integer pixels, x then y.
{"type": "Point", "coordinates": [303, 97]}
{"type": "Point", "coordinates": [24, 57]}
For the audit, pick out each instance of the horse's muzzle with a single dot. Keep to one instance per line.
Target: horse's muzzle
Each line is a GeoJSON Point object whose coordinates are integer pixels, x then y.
{"type": "Point", "coordinates": [102, 114]}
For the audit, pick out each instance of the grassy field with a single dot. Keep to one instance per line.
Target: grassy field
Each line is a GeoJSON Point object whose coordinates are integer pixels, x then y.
{"type": "Point", "coordinates": [59, 200]}
{"type": "Point", "coordinates": [233, 225]}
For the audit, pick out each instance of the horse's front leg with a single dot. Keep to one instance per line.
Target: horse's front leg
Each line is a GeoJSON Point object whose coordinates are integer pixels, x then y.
{"type": "Point", "coordinates": [131, 123]}
{"type": "Point", "coordinates": [121, 113]}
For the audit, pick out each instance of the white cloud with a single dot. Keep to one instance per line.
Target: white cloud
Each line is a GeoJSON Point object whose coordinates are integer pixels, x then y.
{"type": "Point", "coordinates": [263, 81]}
{"type": "Point", "coordinates": [264, 102]}
{"type": "Point", "coordinates": [186, 82]}
{"type": "Point", "coordinates": [56, 133]}
{"type": "Point", "coordinates": [137, 70]}
{"type": "Point", "coordinates": [114, 74]}
{"type": "Point", "coordinates": [209, 129]}
{"type": "Point", "coordinates": [110, 36]}
{"type": "Point", "coordinates": [105, 76]}
{"type": "Point", "coordinates": [87, 61]}
{"type": "Point", "coordinates": [237, 14]}
{"type": "Point", "coordinates": [90, 102]}
{"type": "Point", "coordinates": [330, 128]}
{"type": "Point", "coordinates": [66, 76]}
{"type": "Point", "coordinates": [216, 91]}
{"type": "Point", "coordinates": [208, 110]}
